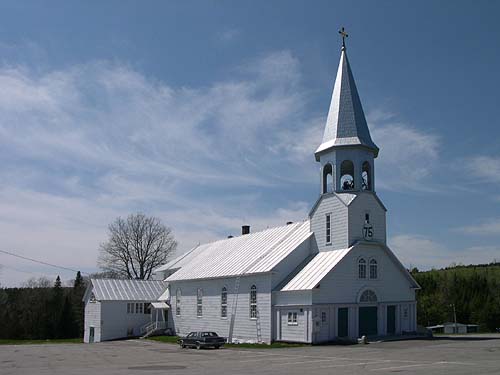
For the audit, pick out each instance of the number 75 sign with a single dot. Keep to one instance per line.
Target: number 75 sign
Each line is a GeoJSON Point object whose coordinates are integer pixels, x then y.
{"type": "Point", "coordinates": [368, 232]}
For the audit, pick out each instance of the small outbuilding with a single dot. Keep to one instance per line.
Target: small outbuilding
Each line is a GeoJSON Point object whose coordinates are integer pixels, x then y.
{"type": "Point", "coordinates": [450, 328]}
{"type": "Point", "coordinates": [124, 308]}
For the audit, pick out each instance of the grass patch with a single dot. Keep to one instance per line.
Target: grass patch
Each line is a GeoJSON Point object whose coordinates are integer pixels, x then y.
{"type": "Point", "coordinates": [36, 342]}
{"type": "Point", "coordinates": [173, 340]}
{"type": "Point", "coordinates": [169, 339]}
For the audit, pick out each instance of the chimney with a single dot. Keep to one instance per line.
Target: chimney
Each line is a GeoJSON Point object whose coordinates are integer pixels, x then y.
{"type": "Point", "coordinates": [245, 229]}
{"type": "Point", "coordinates": [289, 222]}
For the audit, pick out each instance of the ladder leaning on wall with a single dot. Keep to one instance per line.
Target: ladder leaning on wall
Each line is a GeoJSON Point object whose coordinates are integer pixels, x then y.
{"type": "Point", "coordinates": [236, 293]}
{"type": "Point", "coordinates": [234, 308]}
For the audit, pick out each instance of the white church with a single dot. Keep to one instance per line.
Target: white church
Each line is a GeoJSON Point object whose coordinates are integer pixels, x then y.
{"type": "Point", "coordinates": [328, 278]}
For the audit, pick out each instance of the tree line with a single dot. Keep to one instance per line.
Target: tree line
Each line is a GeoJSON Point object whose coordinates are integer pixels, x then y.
{"type": "Point", "coordinates": [473, 291]}
{"type": "Point", "coordinates": [42, 311]}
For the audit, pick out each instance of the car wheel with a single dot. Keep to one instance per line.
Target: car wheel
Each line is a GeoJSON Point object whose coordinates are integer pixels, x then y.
{"type": "Point", "coordinates": [182, 345]}
{"type": "Point", "coordinates": [198, 346]}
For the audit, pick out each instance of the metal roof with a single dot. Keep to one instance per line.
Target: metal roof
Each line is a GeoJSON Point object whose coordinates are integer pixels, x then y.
{"type": "Point", "coordinates": [314, 271]}
{"type": "Point", "coordinates": [165, 296]}
{"type": "Point", "coordinates": [247, 254]}
{"type": "Point", "coordinates": [160, 305]}
{"type": "Point", "coordinates": [346, 123]}
{"type": "Point", "coordinates": [127, 290]}
{"type": "Point", "coordinates": [178, 262]}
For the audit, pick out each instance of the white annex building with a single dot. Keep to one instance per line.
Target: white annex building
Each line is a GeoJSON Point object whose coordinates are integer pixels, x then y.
{"type": "Point", "coordinates": [327, 278]}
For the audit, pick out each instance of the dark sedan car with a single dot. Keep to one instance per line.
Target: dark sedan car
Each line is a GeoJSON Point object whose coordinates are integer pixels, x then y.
{"type": "Point", "coordinates": [200, 340]}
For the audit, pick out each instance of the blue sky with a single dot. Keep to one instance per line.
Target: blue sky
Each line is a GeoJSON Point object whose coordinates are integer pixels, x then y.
{"type": "Point", "coordinates": [207, 113]}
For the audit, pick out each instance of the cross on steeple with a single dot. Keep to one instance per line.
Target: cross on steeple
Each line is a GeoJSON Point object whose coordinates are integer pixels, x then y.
{"type": "Point", "coordinates": [344, 35]}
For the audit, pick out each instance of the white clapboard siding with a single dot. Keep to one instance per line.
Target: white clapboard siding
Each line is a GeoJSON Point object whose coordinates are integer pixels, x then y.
{"type": "Point", "coordinates": [293, 332]}
{"type": "Point", "coordinates": [92, 319]}
{"type": "Point", "coordinates": [342, 284]}
{"type": "Point", "coordinates": [245, 328]}
{"type": "Point", "coordinates": [116, 323]}
{"type": "Point", "coordinates": [330, 204]}
{"type": "Point", "coordinates": [366, 203]}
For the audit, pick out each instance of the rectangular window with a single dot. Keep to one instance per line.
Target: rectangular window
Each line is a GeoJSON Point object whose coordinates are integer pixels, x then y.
{"type": "Point", "coordinates": [328, 228]}
{"type": "Point", "coordinates": [367, 218]}
{"type": "Point", "coordinates": [323, 317]}
{"type": "Point", "coordinates": [178, 302]}
{"type": "Point", "coordinates": [128, 308]}
{"type": "Point", "coordinates": [138, 308]}
{"type": "Point", "coordinates": [362, 269]}
{"type": "Point", "coordinates": [223, 303]}
{"type": "Point", "coordinates": [373, 269]}
{"type": "Point", "coordinates": [199, 303]}
{"type": "Point", "coordinates": [292, 319]}
{"type": "Point", "coordinates": [253, 302]}
{"type": "Point", "coordinates": [147, 308]}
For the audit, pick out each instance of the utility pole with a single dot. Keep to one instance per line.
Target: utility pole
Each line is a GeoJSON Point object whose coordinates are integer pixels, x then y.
{"type": "Point", "coordinates": [454, 317]}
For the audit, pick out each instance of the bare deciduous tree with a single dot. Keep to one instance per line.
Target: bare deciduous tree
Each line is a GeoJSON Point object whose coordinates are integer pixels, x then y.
{"type": "Point", "coordinates": [136, 246]}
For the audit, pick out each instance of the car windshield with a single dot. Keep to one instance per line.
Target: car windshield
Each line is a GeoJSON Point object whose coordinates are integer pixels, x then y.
{"type": "Point", "coordinates": [208, 334]}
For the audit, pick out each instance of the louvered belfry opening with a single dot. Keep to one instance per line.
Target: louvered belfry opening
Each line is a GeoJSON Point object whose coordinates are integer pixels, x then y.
{"type": "Point", "coordinates": [245, 229]}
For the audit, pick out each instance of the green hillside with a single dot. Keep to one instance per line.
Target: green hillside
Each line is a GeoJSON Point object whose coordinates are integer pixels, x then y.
{"type": "Point", "coordinates": [474, 291]}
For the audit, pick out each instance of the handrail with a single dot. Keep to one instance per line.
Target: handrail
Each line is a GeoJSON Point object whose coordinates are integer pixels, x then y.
{"type": "Point", "coordinates": [153, 326]}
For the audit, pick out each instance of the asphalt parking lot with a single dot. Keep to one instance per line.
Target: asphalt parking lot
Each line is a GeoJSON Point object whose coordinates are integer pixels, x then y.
{"type": "Point", "coordinates": [458, 355]}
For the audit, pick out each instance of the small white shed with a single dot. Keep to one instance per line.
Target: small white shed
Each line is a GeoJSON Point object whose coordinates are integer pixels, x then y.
{"type": "Point", "coordinates": [123, 308]}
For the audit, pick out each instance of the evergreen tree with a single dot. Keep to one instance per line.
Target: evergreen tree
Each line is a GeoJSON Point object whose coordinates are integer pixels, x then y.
{"type": "Point", "coordinates": [77, 305]}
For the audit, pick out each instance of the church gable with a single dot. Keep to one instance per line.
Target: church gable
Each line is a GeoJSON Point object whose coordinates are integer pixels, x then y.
{"type": "Point", "coordinates": [366, 267]}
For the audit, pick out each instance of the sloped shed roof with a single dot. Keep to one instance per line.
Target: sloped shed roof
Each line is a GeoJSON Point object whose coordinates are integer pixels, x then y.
{"type": "Point", "coordinates": [314, 271]}
{"type": "Point", "coordinates": [257, 252]}
{"type": "Point", "coordinates": [127, 290]}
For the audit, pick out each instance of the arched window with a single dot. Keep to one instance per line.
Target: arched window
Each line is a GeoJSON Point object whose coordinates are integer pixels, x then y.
{"type": "Point", "coordinates": [178, 302]}
{"type": "Point", "coordinates": [373, 269]}
{"type": "Point", "coordinates": [253, 302]}
{"type": "Point", "coordinates": [327, 178]}
{"type": "Point", "coordinates": [199, 303]}
{"type": "Point", "coordinates": [223, 303]}
{"type": "Point", "coordinates": [347, 175]}
{"type": "Point", "coordinates": [368, 296]}
{"type": "Point", "coordinates": [366, 176]}
{"type": "Point", "coordinates": [362, 268]}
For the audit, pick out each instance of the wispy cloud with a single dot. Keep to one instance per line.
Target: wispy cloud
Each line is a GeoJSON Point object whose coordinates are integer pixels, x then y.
{"type": "Point", "coordinates": [488, 227]}
{"type": "Point", "coordinates": [483, 168]}
{"type": "Point", "coordinates": [425, 253]}
{"type": "Point", "coordinates": [228, 35]}
{"type": "Point", "coordinates": [83, 145]}
{"type": "Point", "coordinates": [408, 156]}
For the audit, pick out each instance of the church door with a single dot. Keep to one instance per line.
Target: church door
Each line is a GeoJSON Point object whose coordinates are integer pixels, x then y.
{"type": "Point", "coordinates": [368, 321]}
{"type": "Point", "coordinates": [343, 322]}
{"type": "Point", "coordinates": [391, 320]}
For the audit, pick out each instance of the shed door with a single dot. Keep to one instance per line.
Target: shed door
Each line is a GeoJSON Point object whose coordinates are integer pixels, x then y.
{"type": "Point", "coordinates": [368, 321]}
{"type": "Point", "coordinates": [343, 322]}
{"type": "Point", "coordinates": [91, 334]}
{"type": "Point", "coordinates": [391, 320]}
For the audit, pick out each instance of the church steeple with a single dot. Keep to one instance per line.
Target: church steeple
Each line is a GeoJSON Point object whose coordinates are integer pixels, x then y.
{"type": "Point", "coordinates": [346, 135]}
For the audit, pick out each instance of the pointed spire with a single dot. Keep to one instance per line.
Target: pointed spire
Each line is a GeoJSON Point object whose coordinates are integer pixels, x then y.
{"type": "Point", "coordinates": [346, 124]}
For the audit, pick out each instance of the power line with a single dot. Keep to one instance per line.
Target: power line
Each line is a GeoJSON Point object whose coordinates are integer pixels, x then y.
{"type": "Point", "coordinates": [39, 261]}
{"type": "Point", "coordinates": [19, 270]}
